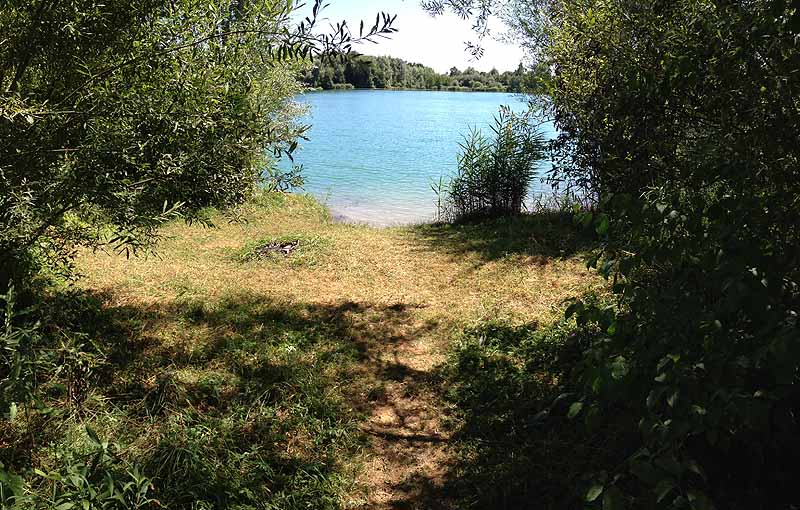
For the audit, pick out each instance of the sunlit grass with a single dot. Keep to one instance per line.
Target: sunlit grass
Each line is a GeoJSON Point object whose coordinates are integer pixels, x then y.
{"type": "Point", "coordinates": [233, 380]}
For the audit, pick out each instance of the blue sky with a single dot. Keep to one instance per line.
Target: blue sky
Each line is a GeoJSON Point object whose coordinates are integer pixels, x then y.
{"type": "Point", "coordinates": [435, 42]}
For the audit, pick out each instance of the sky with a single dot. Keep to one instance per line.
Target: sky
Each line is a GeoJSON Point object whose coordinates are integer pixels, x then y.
{"type": "Point", "coordinates": [435, 42]}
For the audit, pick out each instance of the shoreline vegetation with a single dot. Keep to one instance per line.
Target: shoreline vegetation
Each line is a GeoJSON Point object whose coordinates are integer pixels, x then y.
{"type": "Point", "coordinates": [356, 71]}
{"type": "Point", "coordinates": [347, 87]}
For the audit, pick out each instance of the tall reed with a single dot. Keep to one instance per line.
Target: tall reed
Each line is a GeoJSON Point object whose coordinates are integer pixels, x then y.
{"type": "Point", "coordinates": [494, 173]}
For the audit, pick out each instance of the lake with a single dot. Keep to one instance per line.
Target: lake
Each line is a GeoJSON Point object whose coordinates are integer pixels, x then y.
{"type": "Point", "coordinates": [373, 154]}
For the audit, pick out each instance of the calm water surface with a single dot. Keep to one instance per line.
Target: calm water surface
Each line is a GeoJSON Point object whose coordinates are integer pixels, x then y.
{"type": "Point", "coordinates": [373, 154]}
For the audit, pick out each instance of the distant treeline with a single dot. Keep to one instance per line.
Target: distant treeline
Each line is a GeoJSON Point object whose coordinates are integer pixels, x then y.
{"type": "Point", "coordinates": [368, 72]}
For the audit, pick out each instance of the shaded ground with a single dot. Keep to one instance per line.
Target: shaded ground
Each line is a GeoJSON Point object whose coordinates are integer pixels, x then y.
{"type": "Point", "coordinates": [359, 320]}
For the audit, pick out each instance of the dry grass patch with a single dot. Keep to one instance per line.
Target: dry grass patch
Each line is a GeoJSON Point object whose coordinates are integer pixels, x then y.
{"type": "Point", "coordinates": [346, 331]}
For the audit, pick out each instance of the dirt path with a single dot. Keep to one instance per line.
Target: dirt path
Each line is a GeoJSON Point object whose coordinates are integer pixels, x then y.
{"type": "Point", "coordinates": [409, 455]}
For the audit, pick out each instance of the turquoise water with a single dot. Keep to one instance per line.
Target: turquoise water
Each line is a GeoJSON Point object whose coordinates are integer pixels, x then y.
{"type": "Point", "coordinates": [372, 154]}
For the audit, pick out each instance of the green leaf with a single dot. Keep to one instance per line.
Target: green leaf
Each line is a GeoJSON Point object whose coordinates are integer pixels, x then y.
{"type": "Point", "coordinates": [672, 398]}
{"type": "Point", "coordinates": [663, 489]}
{"type": "Point", "coordinates": [574, 409]}
{"type": "Point", "coordinates": [602, 225]}
{"type": "Point", "coordinates": [699, 501]}
{"type": "Point", "coordinates": [619, 368]}
{"type": "Point", "coordinates": [574, 308]}
{"type": "Point", "coordinates": [594, 492]}
{"type": "Point", "coordinates": [613, 499]}
{"type": "Point", "coordinates": [92, 435]}
{"type": "Point", "coordinates": [645, 472]}
{"type": "Point", "coordinates": [694, 467]}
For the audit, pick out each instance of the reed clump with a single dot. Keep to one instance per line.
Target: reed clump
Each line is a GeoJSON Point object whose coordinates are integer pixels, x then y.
{"type": "Point", "coordinates": [494, 172]}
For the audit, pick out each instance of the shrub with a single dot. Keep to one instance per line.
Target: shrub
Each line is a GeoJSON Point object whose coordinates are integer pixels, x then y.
{"type": "Point", "coordinates": [516, 443]}
{"type": "Point", "coordinates": [494, 174]}
{"type": "Point", "coordinates": [684, 125]}
{"type": "Point", "coordinates": [683, 119]}
{"type": "Point", "coordinates": [18, 359]}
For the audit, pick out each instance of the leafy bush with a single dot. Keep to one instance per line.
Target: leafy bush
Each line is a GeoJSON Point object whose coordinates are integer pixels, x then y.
{"type": "Point", "coordinates": [92, 478]}
{"type": "Point", "coordinates": [117, 117]}
{"type": "Point", "coordinates": [494, 174]}
{"type": "Point", "coordinates": [18, 358]}
{"type": "Point", "coordinates": [97, 478]}
{"type": "Point", "coordinates": [685, 126]}
{"type": "Point", "coordinates": [512, 390]}
{"type": "Point", "coordinates": [682, 118]}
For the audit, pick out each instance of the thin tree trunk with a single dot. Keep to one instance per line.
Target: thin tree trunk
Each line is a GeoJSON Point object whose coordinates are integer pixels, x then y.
{"type": "Point", "coordinates": [27, 56]}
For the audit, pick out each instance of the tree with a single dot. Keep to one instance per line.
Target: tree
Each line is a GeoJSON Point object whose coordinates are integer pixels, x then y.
{"type": "Point", "coordinates": [326, 78]}
{"type": "Point", "coordinates": [681, 120]}
{"type": "Point", "coordinates": [117, 117]}
{"type": "Point", "coordinates": [363, 71]}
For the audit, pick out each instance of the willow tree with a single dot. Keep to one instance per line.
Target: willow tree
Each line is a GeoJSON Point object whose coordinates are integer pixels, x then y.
{"type": "Point", "coordinates": [117, 116]}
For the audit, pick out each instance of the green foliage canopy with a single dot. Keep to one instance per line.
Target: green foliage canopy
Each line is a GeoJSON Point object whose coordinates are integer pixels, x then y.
{"type": "Point", "coordinates": [682, 120]}
{"type": "Point", "coordinates": [116, 117]}
{"type": "Point", "coordinates": [687, 119]}
{"type": "Point", "coordinates": [362, 71]}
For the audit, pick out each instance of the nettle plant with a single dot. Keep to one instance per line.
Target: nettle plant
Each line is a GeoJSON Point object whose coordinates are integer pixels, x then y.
{"type": "Point", "coordinates": [18, 364]}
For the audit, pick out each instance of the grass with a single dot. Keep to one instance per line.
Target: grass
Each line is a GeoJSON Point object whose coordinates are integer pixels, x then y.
{"type": "Point", "coordinates": [283, 383]}
{"type": "Point", "coordinates": [515, 445]}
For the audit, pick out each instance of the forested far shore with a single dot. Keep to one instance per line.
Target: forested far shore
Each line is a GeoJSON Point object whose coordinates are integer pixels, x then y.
{"type": "Point", "coordinates": [356, 71]}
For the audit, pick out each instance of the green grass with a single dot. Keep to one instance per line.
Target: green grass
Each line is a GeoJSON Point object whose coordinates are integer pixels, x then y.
{"type": "Point", "coordinates": [210, 380]}
{"type": "Point", "coordinates": [226, 403]}
{"type": "Point", "coordinates": [515, 445]}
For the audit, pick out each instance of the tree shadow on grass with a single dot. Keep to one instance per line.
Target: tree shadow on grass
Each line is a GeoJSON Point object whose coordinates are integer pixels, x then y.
{"type": "Point", "coordinates": [247, 397]}
{"type": "Point", "coordinates": [507, 453]}
{"type": "Point", "coordinates": [543, 235]}
{"type": "Point", "coordinates": [234, 400]}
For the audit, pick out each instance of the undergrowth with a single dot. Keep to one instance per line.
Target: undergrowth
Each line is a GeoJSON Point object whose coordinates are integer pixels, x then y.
{"type": "Point", "coordinates": [518, 444]}
{"type": "Point", "coordinates": [163, 383]}
{"type": "Point", "coordinates": [231, 403]}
